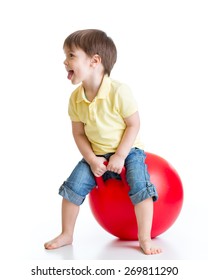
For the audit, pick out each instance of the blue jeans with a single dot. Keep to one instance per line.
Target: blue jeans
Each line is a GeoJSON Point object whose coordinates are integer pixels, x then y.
{"type": "Point", "coordinates": [82, 181]}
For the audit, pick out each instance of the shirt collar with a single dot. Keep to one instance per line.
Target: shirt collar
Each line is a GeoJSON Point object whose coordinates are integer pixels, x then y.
{"type": "Point", "coordinates": [102, 92]}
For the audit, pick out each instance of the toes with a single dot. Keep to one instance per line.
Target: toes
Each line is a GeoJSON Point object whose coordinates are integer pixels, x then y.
{"type": "Point", "coordinates": [50, 246]}
{"type": "Point", "coordinates": [155, 251]}
{"type": "Point", "coordinates": [46, 245]}
{"type": "Point", "coordinates": [150, 250]}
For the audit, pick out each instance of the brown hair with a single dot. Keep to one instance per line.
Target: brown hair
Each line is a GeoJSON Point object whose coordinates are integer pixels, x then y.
{"type": "Point", "coordinates": [94, 41]}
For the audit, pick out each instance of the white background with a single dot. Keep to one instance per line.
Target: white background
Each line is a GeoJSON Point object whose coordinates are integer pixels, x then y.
{"type": "Point", "coordinates": [162, 55]}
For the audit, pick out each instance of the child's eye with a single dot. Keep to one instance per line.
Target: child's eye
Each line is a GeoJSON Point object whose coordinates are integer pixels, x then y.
{"type": "Point", "coordinates": [71, 55]}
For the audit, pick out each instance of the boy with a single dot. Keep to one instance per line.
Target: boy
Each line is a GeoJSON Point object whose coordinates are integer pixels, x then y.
{"type": "Point", "coordinates": [105, 124]}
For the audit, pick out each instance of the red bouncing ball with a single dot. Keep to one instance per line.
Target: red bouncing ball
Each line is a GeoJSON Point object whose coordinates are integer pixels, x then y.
{"type": "Point", "coordinates": [113, 210]}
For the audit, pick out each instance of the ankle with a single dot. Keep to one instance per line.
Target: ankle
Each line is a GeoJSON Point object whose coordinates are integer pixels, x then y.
{"type": "Point", "coordinates": [144, 237]}
{"type": "Point", "coordinates": [67, 235]}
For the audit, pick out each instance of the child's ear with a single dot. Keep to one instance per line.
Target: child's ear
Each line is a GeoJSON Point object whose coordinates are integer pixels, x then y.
{"type": "Point", "coordinates": [95, 60]}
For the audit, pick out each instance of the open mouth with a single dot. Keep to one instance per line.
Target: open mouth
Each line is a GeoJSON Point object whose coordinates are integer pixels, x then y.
{"type": "Point", "coordinates": [70, 74]}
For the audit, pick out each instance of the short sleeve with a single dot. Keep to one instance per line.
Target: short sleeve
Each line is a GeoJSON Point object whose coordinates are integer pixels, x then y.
{"type": "Point", "coordinates": [127, 105]}
{"type": "Point", "coordinates": [72, 109]}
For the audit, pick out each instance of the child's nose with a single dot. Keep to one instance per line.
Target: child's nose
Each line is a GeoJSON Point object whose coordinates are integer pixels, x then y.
{"type": "Point", "coordinates": [65, 62]}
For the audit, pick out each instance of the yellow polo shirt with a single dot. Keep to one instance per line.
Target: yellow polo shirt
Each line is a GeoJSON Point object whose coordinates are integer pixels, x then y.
{"type": "Point", "coordinates": [103, 117]}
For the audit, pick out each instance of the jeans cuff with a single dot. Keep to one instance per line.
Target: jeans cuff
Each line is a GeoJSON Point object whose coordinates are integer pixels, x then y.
{"type": "Point", "coordinates": [70, 195]}
{"type": "Point", "coordinates": [149, 191]}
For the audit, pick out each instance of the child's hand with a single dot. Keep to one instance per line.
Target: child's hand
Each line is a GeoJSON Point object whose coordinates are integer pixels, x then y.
{"type": "Point", "coordinates": [115, 164]}
{"type": "Point", "coordinates": [97, 166]}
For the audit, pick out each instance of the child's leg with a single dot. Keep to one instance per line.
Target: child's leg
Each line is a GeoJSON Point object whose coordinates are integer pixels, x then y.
{"type": "Point", "coordinates": [144, 214]}
{"type": "Point", "coordinates": [69, 216]}
{"type": "Point", "coordinates": [74, 190]}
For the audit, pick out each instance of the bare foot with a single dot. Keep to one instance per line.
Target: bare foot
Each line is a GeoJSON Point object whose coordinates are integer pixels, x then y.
{"type": "Point", "coordinates": [59, 241]}
{"type": "Point", "coordinates": [147, 247]}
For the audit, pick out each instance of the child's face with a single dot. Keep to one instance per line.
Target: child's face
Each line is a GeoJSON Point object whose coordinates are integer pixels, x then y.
{"type": "Point", "coordinates": [77, 64]}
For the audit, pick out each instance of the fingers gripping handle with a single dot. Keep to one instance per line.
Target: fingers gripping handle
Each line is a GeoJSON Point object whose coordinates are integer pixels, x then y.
{"type": "Point", "coordinates": [100, 182]}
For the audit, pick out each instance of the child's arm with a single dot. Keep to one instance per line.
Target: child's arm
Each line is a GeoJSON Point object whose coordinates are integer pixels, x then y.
{"type": "Point", "coordinates": [116, 161]}
{"type": "Point", "coordinates": [84, 146]}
